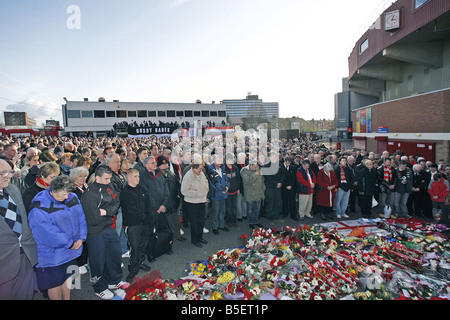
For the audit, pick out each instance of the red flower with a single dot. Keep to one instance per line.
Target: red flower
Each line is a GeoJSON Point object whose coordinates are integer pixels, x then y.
{"type": "Point", "coordinates": [244, 237]}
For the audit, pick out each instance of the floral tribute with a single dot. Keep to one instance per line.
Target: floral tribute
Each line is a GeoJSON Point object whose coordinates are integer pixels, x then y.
{"type": "Point", "coordinates": [315, 263]}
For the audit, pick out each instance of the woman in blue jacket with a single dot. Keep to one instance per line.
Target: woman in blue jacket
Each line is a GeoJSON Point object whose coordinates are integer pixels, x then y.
{"type": "Point", "coordinates": [59, 227]}
{"type": "Point", "coordinates": [219, 185]}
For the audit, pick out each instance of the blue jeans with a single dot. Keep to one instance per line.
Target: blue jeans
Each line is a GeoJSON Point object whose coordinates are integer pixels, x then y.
{"type": "Point", "coordinates": [401, 210]}
{"type": "Point", "coordinates": [341, 201]}
{"type": "Point", "coordinates": [219, 207]}
{"type": "Point", "coordinates": [121, 232]}
{"type": "Point", "coordinates": [253, 208]}
{"type": "Point", "coordinates": [241, 207]}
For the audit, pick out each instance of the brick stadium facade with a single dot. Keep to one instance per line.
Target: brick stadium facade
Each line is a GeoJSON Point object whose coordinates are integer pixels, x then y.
{"type": "Point", "coordinates": [403, 62]}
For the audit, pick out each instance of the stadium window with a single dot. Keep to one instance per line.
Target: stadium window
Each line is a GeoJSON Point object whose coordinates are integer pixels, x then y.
{"type": "Point", "coordinates": [419, 3]}
{"type": "Point", "coordinates": [197, 113]}
{"type": "Point", "coordinates": [188, 113]}
{"type": "Point", "coordinates": [213, 113]}
{"type": "Point", "coordinates": [86, 114]}
{"type": "Point", "coordinates": [170, 113]}
{"type": "Point", "coordinates": [205, 113]}
{"type": "Point", "coordinates": [142, 113]}
{"type": "Point", "coordinates": [131, 114]}
{"type": "Point", "coordinates": [363, 47]}
{"type": "Point", "coordinates": [110, 114]}
{"type": "Point", "coordinates": [99, 113]}
{"type": "Point", "coordinates": [180, 114]}
{"type": "Point", "coordinates": [161, 113]}
{"type": "Point", "coordinates": [222, 114]}
{"type": "Point", "coordinates": [121, 113]}
{"type": "Point", "coordinates": [152, 114]}
{"type": "Point", "coordinates": [73, 114]}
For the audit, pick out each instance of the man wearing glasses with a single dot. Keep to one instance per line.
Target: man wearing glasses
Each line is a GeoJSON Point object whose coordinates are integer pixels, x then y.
{"type": "Point", "coordinates": [18, 253]}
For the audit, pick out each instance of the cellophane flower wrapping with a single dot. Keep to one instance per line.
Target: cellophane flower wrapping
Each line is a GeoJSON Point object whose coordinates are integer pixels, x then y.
{"type": "Point", "coordinates": [316, 263]}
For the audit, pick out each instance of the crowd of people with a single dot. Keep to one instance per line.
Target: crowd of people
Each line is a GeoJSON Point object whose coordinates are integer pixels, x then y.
{"type": "Point", "coordinates": [89, 202]}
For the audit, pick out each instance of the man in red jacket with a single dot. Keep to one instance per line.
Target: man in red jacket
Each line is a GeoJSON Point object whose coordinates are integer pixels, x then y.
{"type": "Point", "coordinates": [438, 192]}
{"type": "Point", "coordinates": [306, 181]}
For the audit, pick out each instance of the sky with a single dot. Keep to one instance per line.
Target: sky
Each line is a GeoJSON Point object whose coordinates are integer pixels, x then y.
{"type": "Point", "coordinates": [294, 52]}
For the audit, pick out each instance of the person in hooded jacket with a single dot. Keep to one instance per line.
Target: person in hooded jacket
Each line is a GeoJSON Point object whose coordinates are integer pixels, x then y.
{"type": "Point", "coordinates": [59, 228]}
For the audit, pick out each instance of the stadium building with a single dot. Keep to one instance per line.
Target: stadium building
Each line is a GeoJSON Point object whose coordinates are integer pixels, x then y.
{"type": "Point", "coordinates": [98, 118]}
{"type": "Point", "coordinates": [397, 94]}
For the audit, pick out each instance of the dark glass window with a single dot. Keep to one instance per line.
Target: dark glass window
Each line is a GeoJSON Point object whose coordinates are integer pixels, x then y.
{"type": "Point", "coordinates": [99, 113]}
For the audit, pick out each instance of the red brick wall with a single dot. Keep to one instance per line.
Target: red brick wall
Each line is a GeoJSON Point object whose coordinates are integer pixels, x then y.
{"type": "Point", "coordinates": [416, 114]}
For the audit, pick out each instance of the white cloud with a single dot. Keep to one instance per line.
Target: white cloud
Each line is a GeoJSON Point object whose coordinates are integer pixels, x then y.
{"type": "Point", "coordinates": [38, 110]}
{"type": "Point", "coordinates": [176, 3]}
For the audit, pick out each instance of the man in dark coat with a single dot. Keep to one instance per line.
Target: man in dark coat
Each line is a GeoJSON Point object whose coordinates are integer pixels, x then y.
{"type": "Point", "coordinates": [273, 182]}
{"type": "Point", "coordinates": [367, 186]}
{"type": "Point", "coordinates": [134, 201]}
{"type": "Point", "coordinates": [288, 189]}
{"type": "Point", "coordinates": [419, 191]}
{"type": "Point", "coordinates": [18, 253]}
{"type": "Point", "coordinates": [153, 181]}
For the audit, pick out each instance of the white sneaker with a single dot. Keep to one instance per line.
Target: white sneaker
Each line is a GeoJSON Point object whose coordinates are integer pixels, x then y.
{"type": "Point", "coordinates": [345, 216]}
{"type": "Point", "coordinates": [105, 294]}
{"type": "Point", "coordinates": [121, 285]}
{"type": "Point", "coordinates": [205, 230]}
{"type": "Point", "coordinates": [120, 293]}
{"type": "Point", "coordinates": [181, 231]}
{"type": "Point", "coordinates": [126, 254]}
{"type": "Point", "coordinates": [338, 216]}
{"type": "Point", "coordinates": [83, 269]}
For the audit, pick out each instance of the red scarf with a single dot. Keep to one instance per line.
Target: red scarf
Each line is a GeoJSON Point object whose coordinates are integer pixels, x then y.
{"type": "Point", "coordinates": [343, 178]}
{"type": "Point", "coordinates": [387, 173]}
{"type": "Point", "coordinates": [42, 182]}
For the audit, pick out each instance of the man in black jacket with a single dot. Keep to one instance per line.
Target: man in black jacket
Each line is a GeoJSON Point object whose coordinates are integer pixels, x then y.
{"type": "Point", "coordinates": [118, 182]}
{"type": "Point", "coordinates": [288, 189]}
{"type": "Point", "coordinates": [100, 205]}
{"type": "Point", "coordinates": [273, 182]}
{"type": "Point", "coordinates": [419, 190]}
{"type": "Point", "coordinates": [367, 185]}
{"type": "Point", "coordinates": [235, 189]}
{"type": "Point", "coordinates": [134, 201]}
{"type": "Point", "coordinates": [157, 189]}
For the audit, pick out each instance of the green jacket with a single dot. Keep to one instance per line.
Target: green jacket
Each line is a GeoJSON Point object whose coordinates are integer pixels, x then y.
{"type": "Point", "coordinates": [253, 183]}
